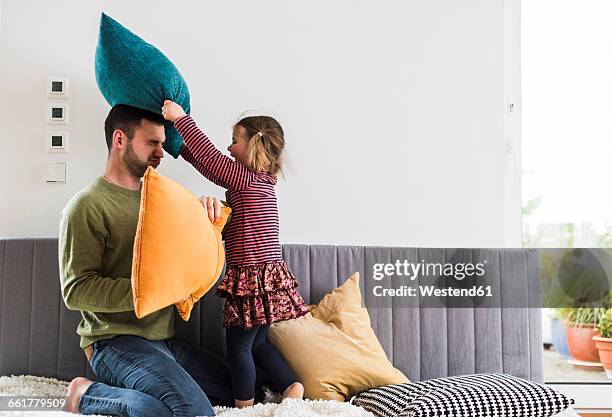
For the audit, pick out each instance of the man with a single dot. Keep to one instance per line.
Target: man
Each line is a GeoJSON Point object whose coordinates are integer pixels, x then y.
{"type": "Point", "coordinates": [141, 370]}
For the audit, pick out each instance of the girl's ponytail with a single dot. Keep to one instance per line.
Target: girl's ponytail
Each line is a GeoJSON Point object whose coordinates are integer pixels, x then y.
{"type": "Point", "coordinates": [257, 155]}
{"type": "Point", "coordinates": [266, 144]}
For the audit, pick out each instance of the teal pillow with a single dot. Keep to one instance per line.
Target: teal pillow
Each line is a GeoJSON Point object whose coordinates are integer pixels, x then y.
{"type": "Point", "coordinates": [133, 72]}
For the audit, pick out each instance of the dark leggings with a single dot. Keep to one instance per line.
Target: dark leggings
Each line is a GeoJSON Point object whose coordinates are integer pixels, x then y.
{"type": "Point", "coordinates": [247, 347]}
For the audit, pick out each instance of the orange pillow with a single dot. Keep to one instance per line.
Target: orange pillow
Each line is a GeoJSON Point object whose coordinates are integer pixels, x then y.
{"type": "Point", "coordinates": [178, 254]}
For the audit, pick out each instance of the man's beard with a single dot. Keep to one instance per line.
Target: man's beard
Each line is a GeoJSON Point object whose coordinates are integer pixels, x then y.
{"type": "Point", "coordinates": [136, 167]}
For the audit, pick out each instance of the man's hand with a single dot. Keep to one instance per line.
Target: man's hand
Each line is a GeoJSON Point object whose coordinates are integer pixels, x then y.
{"type": "Point", "coordinates": [212, 206]}
{"type": "Point", "coordinates": [172, 111]}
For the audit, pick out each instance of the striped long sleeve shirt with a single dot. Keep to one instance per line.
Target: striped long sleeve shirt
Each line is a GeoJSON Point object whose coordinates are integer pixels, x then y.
{"type": "Point", "coordinates": [252, 236]}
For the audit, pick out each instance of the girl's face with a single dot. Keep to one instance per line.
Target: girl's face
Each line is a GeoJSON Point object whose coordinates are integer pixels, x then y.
{"type": "Point", "coordinates": [238, 148]}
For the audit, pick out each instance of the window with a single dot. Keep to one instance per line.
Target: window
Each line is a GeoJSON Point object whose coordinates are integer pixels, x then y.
{"type": "Point", "coordinates": [566, 55]}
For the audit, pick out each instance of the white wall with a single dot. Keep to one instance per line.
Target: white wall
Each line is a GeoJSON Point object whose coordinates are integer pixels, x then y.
{"type": "Point", "coordinates": [394, 111]}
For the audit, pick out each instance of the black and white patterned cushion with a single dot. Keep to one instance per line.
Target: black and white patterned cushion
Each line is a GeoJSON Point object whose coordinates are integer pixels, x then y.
{"type": "Point", "coordinates": [468, 395]}
{"type": "Point", "coordinates": [390, 400]}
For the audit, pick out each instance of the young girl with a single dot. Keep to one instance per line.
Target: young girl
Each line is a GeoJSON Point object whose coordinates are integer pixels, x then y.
{"type": "Point", "coordinates": [258, 287]}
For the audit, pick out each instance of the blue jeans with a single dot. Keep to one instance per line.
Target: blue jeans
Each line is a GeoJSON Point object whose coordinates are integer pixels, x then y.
{"type": "Point", "coordinates": [137, 377]}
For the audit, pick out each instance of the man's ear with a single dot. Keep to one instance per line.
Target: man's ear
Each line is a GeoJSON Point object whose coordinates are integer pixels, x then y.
{"type": "Point", "coordinates": [119, 139]}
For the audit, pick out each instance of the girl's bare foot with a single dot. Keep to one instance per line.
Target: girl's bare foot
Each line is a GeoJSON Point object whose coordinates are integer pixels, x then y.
{"type": "Point", "coordinates": [76, 389]}
{"type": "Point", "coordinates": [295, 390]}
{"type": "Point", "coordinates": [245, 403]}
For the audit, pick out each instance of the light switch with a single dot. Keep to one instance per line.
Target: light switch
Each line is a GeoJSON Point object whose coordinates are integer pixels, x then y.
{"type": "Point", "coordinates": [56, 141]}
{"type": "Point", "coordinates": [55, 172]}
{"type": "Point", "coordinates": [57, 87]}
{"type": "Point", "coordinates": [58, 113]}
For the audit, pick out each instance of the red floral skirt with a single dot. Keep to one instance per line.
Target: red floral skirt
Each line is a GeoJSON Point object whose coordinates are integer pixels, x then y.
{"type": "Point", "coordinates": [259, 295]}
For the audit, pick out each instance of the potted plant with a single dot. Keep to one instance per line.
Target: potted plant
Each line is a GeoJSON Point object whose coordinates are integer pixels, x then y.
{"type": "Point", "coordinates": [582, 326]}
{"type": "Point", "coordinates": [604, 342]}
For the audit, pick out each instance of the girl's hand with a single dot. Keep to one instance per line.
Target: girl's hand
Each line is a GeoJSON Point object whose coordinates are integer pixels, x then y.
{"type": "Point", "coordinates": [172, 111]}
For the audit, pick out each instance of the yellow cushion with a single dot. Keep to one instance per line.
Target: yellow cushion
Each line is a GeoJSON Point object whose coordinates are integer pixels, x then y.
{"type": "Point", "coordinates": [333, 349]}
{"type": "Point", "coordinates": [178, 254]}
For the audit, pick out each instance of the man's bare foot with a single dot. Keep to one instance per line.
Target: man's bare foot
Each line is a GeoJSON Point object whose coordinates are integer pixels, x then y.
{"type": "Point", "coordinates": [245, 403]}
{"type": "Point", "coordinates": [76, 389]}
{"type": "Point", "coordinates": [295, 390]}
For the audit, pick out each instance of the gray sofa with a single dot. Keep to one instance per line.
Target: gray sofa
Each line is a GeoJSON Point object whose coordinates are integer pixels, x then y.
{"type": "Point", "coordinates": [38, 333]}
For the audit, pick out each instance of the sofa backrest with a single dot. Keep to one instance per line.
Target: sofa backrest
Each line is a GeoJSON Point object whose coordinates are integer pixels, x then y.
{"type": "Point", "coordinates": [38, 333]}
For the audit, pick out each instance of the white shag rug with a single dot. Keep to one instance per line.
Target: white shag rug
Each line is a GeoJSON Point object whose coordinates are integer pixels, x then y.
{"type": "Point", "coordinates": [27, 385]}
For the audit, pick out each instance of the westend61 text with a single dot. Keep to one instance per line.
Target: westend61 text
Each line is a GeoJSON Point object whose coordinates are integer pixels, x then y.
{"type": "Point", "coordinates": [432, 291]}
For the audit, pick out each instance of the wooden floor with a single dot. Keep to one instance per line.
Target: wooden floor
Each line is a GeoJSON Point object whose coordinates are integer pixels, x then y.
{"type": "Point", "coordinates": [596, 415]}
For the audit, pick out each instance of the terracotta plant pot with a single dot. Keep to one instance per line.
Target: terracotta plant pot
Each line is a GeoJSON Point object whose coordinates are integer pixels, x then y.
{"type": "Point", "coordinates": [581, 344]}
{"type": "Point", "coordinates": [604, 345]}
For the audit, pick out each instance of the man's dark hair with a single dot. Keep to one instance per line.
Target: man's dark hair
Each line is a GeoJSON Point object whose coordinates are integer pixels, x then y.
{"type": "Point", "coordinates": [126, 118]}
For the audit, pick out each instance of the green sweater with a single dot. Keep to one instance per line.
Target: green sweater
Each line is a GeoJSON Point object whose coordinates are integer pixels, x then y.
{"type": "Point", "coordinates": [96, 240]}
